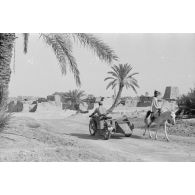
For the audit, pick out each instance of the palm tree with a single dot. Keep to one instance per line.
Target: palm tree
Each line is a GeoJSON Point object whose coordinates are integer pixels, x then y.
{"type": "Point", "coordinates": [6, 46]}
{"type": "Point", "coordinates": [75, 97]}
{"type": "Point", "coordinates": [121, 77]}
{"type": "Point", "coordinates": [62, 46]}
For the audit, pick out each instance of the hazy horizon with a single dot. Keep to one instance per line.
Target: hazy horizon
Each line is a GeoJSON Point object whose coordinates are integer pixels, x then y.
{"type": "Point", "coordinates": [161, 60]}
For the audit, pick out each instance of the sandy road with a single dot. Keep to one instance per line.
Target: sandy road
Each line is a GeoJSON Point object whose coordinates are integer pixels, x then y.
{"type": "Point", "coordinates": [120, 148]}
{"type": "Point", "coordinates": [68, 139]}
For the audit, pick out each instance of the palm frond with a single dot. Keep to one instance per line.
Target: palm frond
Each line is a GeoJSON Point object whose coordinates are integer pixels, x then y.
{"type": "Point", "coordinates": [115, 70]}
{"type": "Point", "coordinates": [134, 89]}
{"type": "Point", "coordinates": [67, 48]}
{"type": "Point", "coordinates": [51, 41]}
{"type": "Point", "coordinates": [122, 76]}
{"type": "Point", "coordinates": [135, 83]}
{"type": "Point", "coordinates": [114, 85]}
{"type": "Point", "coordinates": [131, 75]}
{"type": "Point", "coordinates": [113, 74]}
{"type": "Point", "coordinates": [103, 51]}
{"type": "Point", "coordinates": [62, 48]}
{"type": "Point", "coordinates": [107, 78]}
{"type": "Point", "coordinates": [111, 83]}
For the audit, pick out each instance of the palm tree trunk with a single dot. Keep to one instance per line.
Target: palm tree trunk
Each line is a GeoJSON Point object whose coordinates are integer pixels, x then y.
{"type": "Point", "coordinates": [6, 47]}
{"type": "Point", "coordinates": [117, 98]}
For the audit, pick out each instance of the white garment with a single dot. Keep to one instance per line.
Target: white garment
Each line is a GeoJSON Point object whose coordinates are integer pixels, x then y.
{"type": "Point", "coordinates": [155, 105]}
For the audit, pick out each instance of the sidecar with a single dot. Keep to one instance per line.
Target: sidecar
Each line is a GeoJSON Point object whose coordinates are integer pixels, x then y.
{"type": "Point", "coordinates": [123, 125]}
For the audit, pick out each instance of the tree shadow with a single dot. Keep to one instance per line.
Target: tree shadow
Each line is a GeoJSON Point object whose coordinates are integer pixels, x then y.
{"type": "Point", "coordinates": [86, 136]}
{"type": "Point", "coordinates": [137, 137]}
{"type": "Point", "coordinates": [117, 136]}
{"type": "Point", "coordinates": [96, 137]}
{"type": "Point", "coordinates": [99, 137]}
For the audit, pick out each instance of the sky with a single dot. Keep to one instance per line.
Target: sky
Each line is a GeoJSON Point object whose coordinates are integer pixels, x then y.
{"type": "Point", "coordinates": [160, 59]}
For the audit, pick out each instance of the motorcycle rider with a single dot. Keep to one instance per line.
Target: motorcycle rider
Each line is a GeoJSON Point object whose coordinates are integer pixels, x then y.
{"type": "Point", "coordinates": [101, 110]}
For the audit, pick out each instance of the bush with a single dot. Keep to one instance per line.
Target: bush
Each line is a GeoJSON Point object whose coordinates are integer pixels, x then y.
{"type": "Point", "coordinates": [4, 119]}
{"type": "Point", "coordinates": [186, 104]}
{"type": "Point", "coordinates": [187, 100]}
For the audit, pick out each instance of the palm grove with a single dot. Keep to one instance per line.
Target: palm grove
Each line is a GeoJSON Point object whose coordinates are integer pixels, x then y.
{"type": "Point", "coordinates": [61, 45]}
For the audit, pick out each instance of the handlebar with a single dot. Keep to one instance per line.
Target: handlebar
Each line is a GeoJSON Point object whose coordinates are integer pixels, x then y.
{"type": "Point", "coordinates": [102, 117]}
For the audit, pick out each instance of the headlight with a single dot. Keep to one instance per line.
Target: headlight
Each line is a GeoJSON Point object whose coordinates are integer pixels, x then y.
{"type": "Point", "coordinates": [110, 128]}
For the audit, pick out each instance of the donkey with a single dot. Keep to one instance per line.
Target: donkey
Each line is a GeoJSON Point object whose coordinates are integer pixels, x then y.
{"type": "Point", "coordinates": [163, 118]}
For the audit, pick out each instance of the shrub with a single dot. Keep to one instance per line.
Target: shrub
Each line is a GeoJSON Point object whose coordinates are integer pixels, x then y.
{"type": "Point", "coordinates": [4, 118]}
{"type": "Point", "coordinates": [187, 100]}
{"type": "Point", "coordinates": [186, 104]}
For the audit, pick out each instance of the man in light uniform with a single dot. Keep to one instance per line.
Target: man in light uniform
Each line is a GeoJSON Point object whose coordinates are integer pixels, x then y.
{"type": "Point", "coordinates": [101, 110]}
{"type": "Point", "coordinates": [155, 107]}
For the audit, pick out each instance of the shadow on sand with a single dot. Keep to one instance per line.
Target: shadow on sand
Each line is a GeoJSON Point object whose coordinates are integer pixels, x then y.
{"type": "Point", "coordinates": [99, 137]}
{"type": "Point", "coordinates": [86, 136]}
{"type": "Point", "coordinates": [137, 137]}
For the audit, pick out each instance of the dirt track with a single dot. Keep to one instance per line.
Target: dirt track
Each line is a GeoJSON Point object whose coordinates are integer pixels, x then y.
{"type": "Point", "coordinates": [29, 139]}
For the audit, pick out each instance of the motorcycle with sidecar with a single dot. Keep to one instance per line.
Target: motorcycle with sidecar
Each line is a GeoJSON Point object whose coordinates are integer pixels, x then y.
{"type": "Point", "coordinates": [107, 126]}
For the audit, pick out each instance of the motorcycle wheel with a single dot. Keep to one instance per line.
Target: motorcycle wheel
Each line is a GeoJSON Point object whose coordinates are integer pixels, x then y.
{"type": "Point", "coordinates": [128, 134]}
{"type": "Point", "coordinates": [92, 128]}
{"type": "Point", "coordinates": [107, 135]}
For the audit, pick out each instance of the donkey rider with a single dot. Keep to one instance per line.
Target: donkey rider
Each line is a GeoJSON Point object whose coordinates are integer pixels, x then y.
{"type": "Point", "coordinates": [155, 107]}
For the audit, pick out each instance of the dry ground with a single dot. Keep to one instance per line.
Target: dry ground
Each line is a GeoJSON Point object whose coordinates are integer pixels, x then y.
{"type": "Point", "coordinates": [35, 138]}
